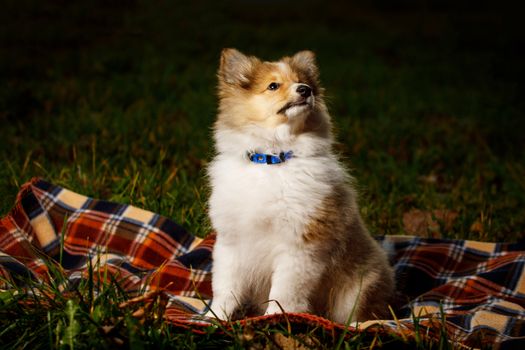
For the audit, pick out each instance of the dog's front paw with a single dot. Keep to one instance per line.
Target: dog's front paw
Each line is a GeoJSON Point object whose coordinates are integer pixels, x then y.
{"type": "Point", "coordinates": [273, 308]}
{"type": "Point", "coordinates": [278, 308]}
{"type": "Point", "coordinates": [217, 314]}
{"type": "Point", "coordinates": [209, 314]}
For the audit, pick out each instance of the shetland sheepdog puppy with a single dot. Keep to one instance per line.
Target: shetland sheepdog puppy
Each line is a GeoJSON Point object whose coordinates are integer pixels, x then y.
{"type": "Point", "coordinates": [289, 233]}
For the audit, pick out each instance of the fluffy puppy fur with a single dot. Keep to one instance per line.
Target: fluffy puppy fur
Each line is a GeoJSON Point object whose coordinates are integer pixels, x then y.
{"type": "Point", "coordinates": [288, 235]}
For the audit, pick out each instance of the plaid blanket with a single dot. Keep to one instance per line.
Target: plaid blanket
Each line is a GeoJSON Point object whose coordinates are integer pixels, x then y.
{"type": "Point", "coordinates": [475, 291]}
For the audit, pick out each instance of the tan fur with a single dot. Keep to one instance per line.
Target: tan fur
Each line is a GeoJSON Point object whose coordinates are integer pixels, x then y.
{"type": "Point", "coordinates": [351, 270]}
{"type": "Point", "coordinates": [328, 231]}
{"type": "Point", "coordinates": [253, 103]}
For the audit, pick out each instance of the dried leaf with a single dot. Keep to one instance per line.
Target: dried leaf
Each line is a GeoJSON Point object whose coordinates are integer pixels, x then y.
{"type": "Point", "coordinates": [107, 329]}
{"type": "Point", "coordinates": [147, 297]}
{"type": "Point", "coordinates": [118, 341]}
{"type": "Point", "coordinates": [139, 313]}
{"type": "Point", "coordinates": [477, 227]}
{"type": "Point", "coordinates": [428, 223]}
{"type": "Point", "coordinates": [287, 343]}
{"type": "Point", "coordinates": [429, 179]}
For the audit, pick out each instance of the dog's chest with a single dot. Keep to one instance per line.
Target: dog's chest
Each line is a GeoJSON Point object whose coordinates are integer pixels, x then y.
{"type": "Point", "coordinates": [258, 199]}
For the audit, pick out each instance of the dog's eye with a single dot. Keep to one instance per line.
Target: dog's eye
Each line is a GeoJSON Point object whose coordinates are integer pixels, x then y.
{"type": "Point", "coordinates": [273, 86]}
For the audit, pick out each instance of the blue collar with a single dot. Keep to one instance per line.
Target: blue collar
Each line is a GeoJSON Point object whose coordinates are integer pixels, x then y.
{"type": "Point", "coordinates": [261, 158]}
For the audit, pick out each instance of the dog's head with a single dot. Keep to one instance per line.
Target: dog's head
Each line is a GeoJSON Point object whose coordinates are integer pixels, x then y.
{"type": "Point", "coordinates": [268, 94]}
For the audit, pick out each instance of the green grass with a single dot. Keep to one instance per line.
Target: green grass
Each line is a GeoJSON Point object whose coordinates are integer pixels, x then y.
{"type": "Point", "coordinates": [97, 313]}
{"type": "Point", "coordinates": [116, 101]}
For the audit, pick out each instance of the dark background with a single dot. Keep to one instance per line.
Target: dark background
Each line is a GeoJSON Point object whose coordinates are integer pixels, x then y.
{"type": "Point", "coordinates": [115, 99]}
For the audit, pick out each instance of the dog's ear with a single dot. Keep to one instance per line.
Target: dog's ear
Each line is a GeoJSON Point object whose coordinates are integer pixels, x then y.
{"type": "Point", "coordinates": [235, 67]}
{"type": "Point", "coordinates": [305, 61]}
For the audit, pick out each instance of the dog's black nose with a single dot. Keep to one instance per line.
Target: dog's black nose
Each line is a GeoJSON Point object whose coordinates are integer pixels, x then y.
{"type": "Point", "coordinates": [304, 90]}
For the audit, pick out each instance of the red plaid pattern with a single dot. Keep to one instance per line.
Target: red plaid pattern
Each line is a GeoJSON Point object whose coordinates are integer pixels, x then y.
{"type": "Point", "coordinates": [477, 288]}
{"type": "Point", "coordinates": [145, 250]}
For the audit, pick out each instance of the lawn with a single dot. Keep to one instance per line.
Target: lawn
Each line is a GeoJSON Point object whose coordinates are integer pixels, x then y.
{"type": "Point", "coordinates": [116, 100]}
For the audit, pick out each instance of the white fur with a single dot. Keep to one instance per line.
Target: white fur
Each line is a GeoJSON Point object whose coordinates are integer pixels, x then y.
{"type": "Point", "coordinates": [260, 212]}
{"type": "Point", "coordinates": [299, 111]}
{"type": "Point", "coordinates": [286, 240]}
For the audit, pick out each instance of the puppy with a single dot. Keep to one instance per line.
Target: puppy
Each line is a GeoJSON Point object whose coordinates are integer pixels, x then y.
{"type": "Point", "coordinates": [289, 233]}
